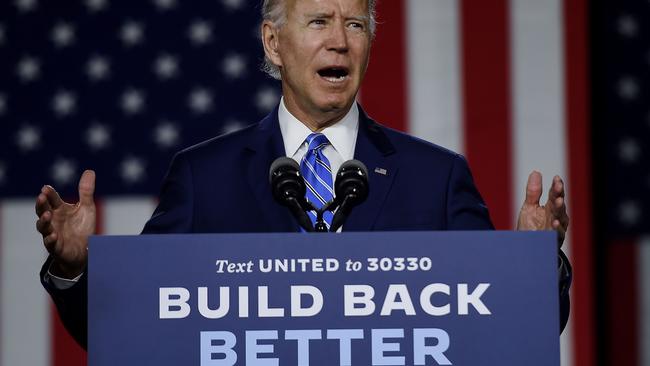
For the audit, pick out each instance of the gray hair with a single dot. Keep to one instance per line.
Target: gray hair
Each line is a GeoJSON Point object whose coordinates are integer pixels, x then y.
{"type": "Point", "coordinates": [275, 12]}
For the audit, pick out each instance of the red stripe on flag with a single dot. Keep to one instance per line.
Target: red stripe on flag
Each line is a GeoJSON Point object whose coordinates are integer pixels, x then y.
{"type": "Point", "coordinates": [384, 94]}
{"type": "Point", "coordinates": [623, 308]}
{"type": "Point", "coordinates": [486, 102]}
{"type": "Point", "coordinates": [65, 350]}
{"type": "Point", "coordinates": [579, 177]}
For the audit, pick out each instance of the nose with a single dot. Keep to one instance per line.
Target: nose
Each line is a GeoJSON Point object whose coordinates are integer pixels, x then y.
{"type": "Point", "coordinates": [338, 40]}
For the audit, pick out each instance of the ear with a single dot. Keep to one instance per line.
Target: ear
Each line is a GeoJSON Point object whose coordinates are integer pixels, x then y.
{"type": "Point", "coordinates": [270, 41]}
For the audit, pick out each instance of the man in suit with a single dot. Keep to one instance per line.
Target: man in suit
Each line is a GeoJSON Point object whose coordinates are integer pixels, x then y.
{"type": "Point", "coordinates": [319, 49]}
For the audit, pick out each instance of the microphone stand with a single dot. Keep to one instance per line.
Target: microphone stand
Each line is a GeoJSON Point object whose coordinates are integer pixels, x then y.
{"type": "Point", "coordinates": [321, 226]}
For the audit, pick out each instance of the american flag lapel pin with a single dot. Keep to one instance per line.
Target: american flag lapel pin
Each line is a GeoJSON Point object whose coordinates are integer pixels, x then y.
{"type": "Point", "coordinates": [381, 171]}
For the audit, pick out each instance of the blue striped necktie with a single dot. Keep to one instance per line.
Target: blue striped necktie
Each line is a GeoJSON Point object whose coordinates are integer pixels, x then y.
{"type": "Point", "coordinates": [316, 170]}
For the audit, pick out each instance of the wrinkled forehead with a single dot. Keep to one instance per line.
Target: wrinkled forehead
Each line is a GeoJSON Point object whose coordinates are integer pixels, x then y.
{"type": "Point", "coordinates": [356, 8]}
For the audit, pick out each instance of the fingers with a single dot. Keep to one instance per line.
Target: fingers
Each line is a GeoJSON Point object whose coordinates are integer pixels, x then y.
{"type": "Point", "coordinates": [557, 188]}
{"type": "Point", "coordinates": [533, 189]}
{"type": "Point", "coordinates": [42, 204]}
{"type": "Point", "coordinates": [45, 227]}
{"type": "Point", "coordinates": [561, 231]}
{"type": "Point", "coordinates": [50, 242]}
{"type": "Point", "coordinates": [556, 201]}
{"type": "Point", "coordinates": [52, 196]}
{"type": "Point", "coordinates": [558, 209]}
{"type": "Point", "coordinates": [87, 187]}
{"type": "Point", "coordinates": [44, 224]}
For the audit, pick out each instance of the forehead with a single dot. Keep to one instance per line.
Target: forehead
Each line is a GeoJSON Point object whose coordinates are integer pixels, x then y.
{"type": "Point", "coordinates": [344, 7]}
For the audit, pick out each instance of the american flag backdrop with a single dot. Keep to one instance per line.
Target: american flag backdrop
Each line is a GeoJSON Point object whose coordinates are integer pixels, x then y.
{"type": "Point", "coordinates": [120, 86]}
{"type": "Point", "coordinates": [621, 119]}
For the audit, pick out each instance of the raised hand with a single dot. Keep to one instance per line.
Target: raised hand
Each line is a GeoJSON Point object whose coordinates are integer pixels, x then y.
{"type": "Point", "coordinates": [66, 227]}
{"type": "Point", "coordinates": [551, 216]}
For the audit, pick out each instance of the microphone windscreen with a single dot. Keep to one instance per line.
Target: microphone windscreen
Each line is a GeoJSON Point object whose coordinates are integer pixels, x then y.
{"type": "Point", "coordinates": [354, 164]}
{"type": "Point", "coordinates": [283, 163]}
{"type": "Point", "coordinates": [352, 179]}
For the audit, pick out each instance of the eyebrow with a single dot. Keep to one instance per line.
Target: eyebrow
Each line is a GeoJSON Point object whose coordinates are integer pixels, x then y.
{"type": "Point", "coordinates": [331, 15]}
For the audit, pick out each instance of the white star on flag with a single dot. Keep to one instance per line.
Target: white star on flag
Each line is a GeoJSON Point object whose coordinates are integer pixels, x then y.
{"type": "Point", "coordinates": [233, 4]}
{"type": "Point", "coordinates": [200, 100]}
{"type": "Point", "coordinates": [132, 170]}
{"type": "Point", "coordinates": [132, 33]}
{"type": "Point", "coordinates": [628, 88]}
{"type": "Point", "coordinates": [26, 5]}
{"type": "Point", "coordinates": [166, 134]}
{"type": "Point", "coordinates": [98, 136]}
{"type": "Point", "coordinates": [165, 4]}
{"type": "Point", "coordinates": [132, 101]}
{"type": "Point", "coordinates": [628, 26]}
{"type": "Point", "coordinates": [28, 69]}
{"type": "Point", "coordinates": [28, 138]}
{"type": "Point", "coordinates": [266, 99]}
{"type": "Point", "coordinates": [231, 126]}
{"type": "Point", "coordinates": [166, 66]}
{"type": "Point", "coordinates": [629, 150]}
{"type": "Point", "coordinates": [3, 172]}
{"type": "Point", "coordinates": [3, 104]}
{"type": "Point", "coordinates": [63, 171]}
{"type": "Point", "coordinates": [63, 35]}
{"type": "Point", "coordinates": [64, 103]}
{"type": "Point", "coordinates": [200, 32]}
{"type": "Point", "coordinates": [96, 5]}
{"type": "Point", "coordinates": [630, 213]}
{"type": "Point", "coordinates": [98, 68]}
{"type": "Point", "coordinates": [234, 66]}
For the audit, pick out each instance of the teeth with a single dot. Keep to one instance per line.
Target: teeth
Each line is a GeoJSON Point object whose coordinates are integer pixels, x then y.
{"type": "Point", "coordinates": [334, 79]}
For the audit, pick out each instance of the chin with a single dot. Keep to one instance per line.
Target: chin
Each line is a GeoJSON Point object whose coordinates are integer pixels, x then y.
{"type": "Point", "coordinates": [334, 103]}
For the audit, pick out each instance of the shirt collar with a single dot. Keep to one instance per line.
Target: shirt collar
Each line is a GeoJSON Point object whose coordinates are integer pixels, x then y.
{"type": "Point", "coordinates": [342, 135]}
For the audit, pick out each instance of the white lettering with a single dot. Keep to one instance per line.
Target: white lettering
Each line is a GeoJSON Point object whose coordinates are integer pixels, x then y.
{"type": "Point", "coordinates": [365, 300]}
{"type": "Point", "coordinates": [425, 299]}
{"type": "Point", "coordinates": [391, 303]}
{"type": "Point", "coordinates": [170, 308]}
{"type": "Point", "coordinates": [297, 293]}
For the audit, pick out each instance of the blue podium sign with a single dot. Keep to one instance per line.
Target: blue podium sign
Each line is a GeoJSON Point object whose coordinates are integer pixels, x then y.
{"type": "Point", "coordinates": [380, 298]}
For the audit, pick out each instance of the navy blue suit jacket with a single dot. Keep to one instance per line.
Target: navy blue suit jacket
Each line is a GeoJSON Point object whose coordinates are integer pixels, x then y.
{"type": "Point", "coordinates": [222, 185]}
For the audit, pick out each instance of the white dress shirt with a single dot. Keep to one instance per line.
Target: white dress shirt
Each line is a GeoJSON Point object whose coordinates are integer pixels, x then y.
{"type": "Point", "coordinates": [342, 137]}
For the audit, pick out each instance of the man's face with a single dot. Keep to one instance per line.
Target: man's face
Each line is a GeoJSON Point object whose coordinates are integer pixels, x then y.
{"type": "Point", "coordinates": [322, 50]}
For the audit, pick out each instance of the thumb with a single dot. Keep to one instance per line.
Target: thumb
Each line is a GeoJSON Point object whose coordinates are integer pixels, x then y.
{"type": "Point", "coordinates": [533, 188]}
{"type": "Point", "coordinates": [87, 187]}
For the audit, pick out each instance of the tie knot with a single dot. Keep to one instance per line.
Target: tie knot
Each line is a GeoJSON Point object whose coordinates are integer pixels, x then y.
{"type": "Point", "coordinates": [316, 141]}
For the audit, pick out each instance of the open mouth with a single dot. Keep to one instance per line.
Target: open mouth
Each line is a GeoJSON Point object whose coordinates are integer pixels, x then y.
{"type": "Point", "coordinates": [333, 74]}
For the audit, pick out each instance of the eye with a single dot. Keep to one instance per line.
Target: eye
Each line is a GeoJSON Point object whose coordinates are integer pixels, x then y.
{"type": "Point", "coordinates": [357, 25]}
{"type": "Point", "coordinates": [317, 22]}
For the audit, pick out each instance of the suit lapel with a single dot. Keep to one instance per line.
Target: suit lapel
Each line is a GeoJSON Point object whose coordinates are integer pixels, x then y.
{"type": "Point", "coordinates": [266, 146]}
{"type": "Point", "coordinates": [375, 150]}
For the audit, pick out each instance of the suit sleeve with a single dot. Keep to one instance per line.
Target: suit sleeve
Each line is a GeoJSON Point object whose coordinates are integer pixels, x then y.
{"type": "Point", "coordinates": [71, 304]}
{"type": "Point", "coordinates": [467, 211]}
{"type": "Point", "coordinates": [173, 215]}
{"type": "Point", "coordinates": [565, 276]}
{"type": "Point", "coordinates": [175, 210]}
{"type": "Point", "coordinates": [465, 207]}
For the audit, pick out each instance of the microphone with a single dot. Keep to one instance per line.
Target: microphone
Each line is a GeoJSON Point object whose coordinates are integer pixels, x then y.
{"type": "Point", "coordinates": [351, 189]}
{"type": "Point", "coordinates": [289, 188]}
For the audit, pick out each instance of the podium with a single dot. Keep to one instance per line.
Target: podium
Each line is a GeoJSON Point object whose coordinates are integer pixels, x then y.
{"type": "Point", "coordinates": [378, 298]}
